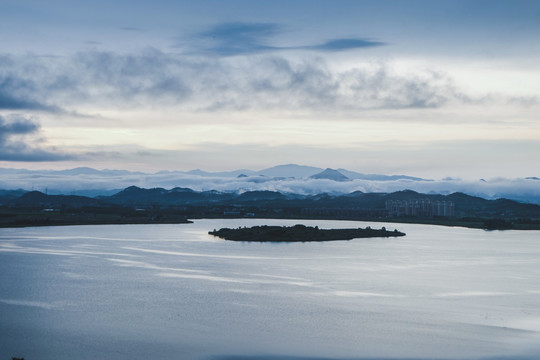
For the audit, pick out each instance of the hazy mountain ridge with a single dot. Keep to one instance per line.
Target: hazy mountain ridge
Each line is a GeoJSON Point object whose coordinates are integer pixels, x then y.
{"type": "Point", "coordinates": [134, 195]}
{"type": "Point", "coordinates": [290, 170]}
{"type": "Point", "coordinates": [291, 179]}
{"type": "Point", "coordinates": [36, 198]}
{"type": "Point", "coordinates": [279, 171]}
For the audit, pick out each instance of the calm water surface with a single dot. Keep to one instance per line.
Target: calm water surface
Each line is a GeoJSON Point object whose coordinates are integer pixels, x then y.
{"type": "Point", "coordinates": [175, 292]}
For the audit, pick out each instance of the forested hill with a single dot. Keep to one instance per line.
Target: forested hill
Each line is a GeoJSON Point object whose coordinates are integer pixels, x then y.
{"type": "Point", "coordinates": [214, 203]}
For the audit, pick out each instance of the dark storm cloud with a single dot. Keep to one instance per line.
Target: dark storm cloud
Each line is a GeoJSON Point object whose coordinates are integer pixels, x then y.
{"type": "Point", "coordinates": [16, 93]}
{"type": "Point", "coordinates": [245, 38]}
{"type": "Point", "coordinates": [14, 145]}
{"type": "Point", "coordinates": [17, 126]}
{"type": "Point", "coordinates": [344, 44]}
{"type": "Point", "coordinates": [239, 38]}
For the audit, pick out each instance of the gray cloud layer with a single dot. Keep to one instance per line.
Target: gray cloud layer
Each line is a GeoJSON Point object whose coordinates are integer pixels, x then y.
{"type": "Point", "coordinates": [151, 77]}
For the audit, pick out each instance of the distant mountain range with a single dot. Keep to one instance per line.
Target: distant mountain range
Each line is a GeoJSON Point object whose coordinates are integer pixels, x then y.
{"type": "Point", "coordinates": [286, 179]}
{"type": "Point", "coordinates": [271, 203]}
{"type": "Point", "coordinates": [302, 171]}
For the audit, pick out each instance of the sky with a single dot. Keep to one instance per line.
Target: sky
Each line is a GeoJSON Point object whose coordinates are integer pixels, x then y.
{"type": "Point", "coordinates": [424, 88]}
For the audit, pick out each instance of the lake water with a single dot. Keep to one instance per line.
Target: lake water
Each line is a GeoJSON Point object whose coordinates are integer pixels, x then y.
{"type": "Point", "coordinates": [175, 292]}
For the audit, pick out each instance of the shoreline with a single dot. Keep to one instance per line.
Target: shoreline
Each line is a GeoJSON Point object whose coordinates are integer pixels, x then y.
{"type": "Point", "coordinates": [42, 220]}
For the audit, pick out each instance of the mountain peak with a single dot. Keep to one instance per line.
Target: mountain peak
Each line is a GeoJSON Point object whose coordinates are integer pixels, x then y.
{"type": "Point", "coordinates": [330, 174]}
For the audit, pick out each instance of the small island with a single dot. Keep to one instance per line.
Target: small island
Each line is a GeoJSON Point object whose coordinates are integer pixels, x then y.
{"type": "Point", "coordinates": [299, 233]}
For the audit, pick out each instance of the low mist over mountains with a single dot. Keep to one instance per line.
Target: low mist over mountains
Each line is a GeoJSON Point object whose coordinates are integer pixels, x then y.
{"type": "Point", "coordinates": [286, 179]}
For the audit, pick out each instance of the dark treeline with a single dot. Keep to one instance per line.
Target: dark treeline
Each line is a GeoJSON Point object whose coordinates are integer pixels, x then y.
{"type": "Point", "coordinates": [157, 205]}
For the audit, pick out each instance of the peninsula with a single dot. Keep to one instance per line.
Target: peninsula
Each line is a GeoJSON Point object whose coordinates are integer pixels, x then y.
{"type": "Point", "coordinates": [299, 233]}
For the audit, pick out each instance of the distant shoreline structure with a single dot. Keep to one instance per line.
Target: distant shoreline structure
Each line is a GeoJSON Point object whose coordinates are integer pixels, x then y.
{"type": "Point", "coordinates": [420, 207]}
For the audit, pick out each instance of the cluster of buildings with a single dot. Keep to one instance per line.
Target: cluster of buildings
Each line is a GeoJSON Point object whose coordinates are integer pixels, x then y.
{"type": "Point", "coordinates": [420, 208]}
